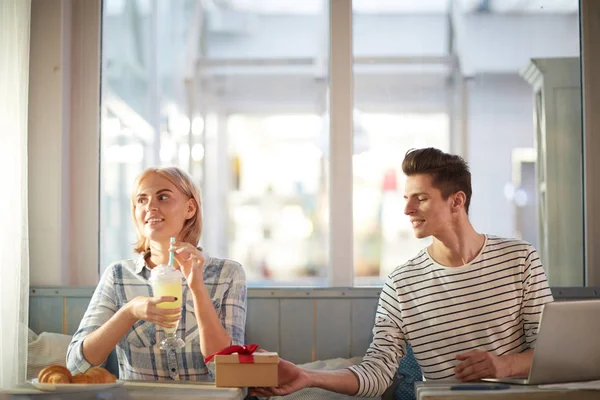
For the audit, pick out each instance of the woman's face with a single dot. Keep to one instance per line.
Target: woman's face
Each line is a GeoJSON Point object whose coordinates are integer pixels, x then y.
{"type": "Point", "coordinates": [161, 209]}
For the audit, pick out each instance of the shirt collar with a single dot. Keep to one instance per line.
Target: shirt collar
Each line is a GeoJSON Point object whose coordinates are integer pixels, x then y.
{"type": "Point", "coordinates": [140, 263]}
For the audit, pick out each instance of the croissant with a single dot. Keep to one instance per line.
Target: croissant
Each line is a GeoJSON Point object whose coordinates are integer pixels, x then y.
{"type": "Point", "coordinates": [55, 374]}
{"type": "Point", "coordinates": [80, 378]}
{"type": "Point", "coordinates": [60, 374]}
{"type": "Point", "coordinates": [99, 375]}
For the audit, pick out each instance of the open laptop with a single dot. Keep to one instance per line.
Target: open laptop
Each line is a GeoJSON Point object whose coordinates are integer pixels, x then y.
{"type": "Point", "coordinates": [567, 348]}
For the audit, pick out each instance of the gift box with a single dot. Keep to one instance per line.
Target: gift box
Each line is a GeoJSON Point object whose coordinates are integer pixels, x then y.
{"type": "Point", "coordinates": [242, 366]}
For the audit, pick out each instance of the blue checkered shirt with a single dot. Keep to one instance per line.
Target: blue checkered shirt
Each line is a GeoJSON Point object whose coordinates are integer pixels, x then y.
{"type": "Point", "coordinates": [140, 357]}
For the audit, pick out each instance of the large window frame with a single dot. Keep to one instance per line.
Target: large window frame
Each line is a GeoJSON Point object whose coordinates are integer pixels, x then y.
{"type": "Point", "coordinates": [70, 256]}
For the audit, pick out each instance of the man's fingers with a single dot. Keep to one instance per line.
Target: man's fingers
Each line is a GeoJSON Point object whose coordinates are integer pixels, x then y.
{"type": "Point", "coordinates": [484, 373]}
{"type": "Point", "coordinates": [465, 364]}
{"type": "Point", "coordinates": [469, 354]}
{"type": "Point", "coordinates": [464, 356]}
{"type": "Point", "coordinates": [473, 371]}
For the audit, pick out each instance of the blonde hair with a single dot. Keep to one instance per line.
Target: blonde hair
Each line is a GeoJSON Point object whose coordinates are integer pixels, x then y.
{"type": "Point", "coordinates": [192, 229]}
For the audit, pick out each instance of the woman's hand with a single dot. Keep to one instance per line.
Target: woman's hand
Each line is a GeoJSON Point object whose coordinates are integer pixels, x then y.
{"type": "Point", "coordinates": [191, 262]}
{"type": "Point", "coordinates": [146, 308]}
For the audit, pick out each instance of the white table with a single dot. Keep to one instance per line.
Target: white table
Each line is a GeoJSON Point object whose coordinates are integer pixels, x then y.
{"type": "Point", "coordinates": [441, 391]}
{"type": "Point", "coordinates": [138, 390]}
{"type": "Point", "coordinates": [182, 390]}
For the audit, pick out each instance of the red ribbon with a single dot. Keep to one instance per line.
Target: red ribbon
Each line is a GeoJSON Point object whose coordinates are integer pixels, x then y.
{"type": "Point", "coordinates": [244, 353]}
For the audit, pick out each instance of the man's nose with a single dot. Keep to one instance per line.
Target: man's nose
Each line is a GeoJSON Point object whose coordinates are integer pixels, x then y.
{"type": "Point", "coordinates": [408, 208]}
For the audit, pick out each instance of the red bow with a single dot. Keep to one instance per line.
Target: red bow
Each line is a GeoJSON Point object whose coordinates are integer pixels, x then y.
{"type": "Point", "coordinates": [244, 353]}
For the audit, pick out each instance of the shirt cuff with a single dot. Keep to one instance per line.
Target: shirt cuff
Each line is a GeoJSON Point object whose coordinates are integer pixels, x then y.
{"type": "Point", "coordinates": [361, 380]}
{"type": "Point", "coordinates": [77, 362]}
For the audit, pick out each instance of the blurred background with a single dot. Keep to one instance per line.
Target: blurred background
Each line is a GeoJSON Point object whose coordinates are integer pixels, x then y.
{"type": "Point", "coordinates": [236, 92]}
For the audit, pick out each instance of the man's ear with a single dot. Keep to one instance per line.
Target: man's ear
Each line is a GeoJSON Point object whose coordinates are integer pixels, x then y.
{"type": "Point", "coordinates": [458, 201]}
{"type": "Point", "coordinates": [191, 211]}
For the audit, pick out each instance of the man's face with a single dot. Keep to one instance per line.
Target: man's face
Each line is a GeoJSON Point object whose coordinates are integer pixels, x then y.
{"type": "Point", "coordinates": [429, 213]}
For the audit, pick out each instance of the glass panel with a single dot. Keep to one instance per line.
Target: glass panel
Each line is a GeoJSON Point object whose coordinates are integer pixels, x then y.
{"type": "Point", "coordinates": [278, 200]}
{"type": "Point", "coordinates": [234, 93]}
{"type": "Point", "coordinates": [458, 79]}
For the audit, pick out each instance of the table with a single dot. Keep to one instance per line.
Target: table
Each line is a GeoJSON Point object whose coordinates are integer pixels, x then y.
{"type": "Point", "coordinates": [441, 391]}
{"type": "Point", "coordinates": [135, 390]}
{"type": "Point", "coordinates": [182, 390]}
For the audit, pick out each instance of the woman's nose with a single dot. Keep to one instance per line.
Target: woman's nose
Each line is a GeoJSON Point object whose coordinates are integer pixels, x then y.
{"type": "Point", "coordinates": [152, 204]}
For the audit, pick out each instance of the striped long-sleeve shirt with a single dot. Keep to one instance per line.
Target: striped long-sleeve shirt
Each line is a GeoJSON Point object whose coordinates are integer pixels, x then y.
{"type": "Point", "coordinates": [491, 304]}
{"type": "Point", "coordinates": [138, 351]}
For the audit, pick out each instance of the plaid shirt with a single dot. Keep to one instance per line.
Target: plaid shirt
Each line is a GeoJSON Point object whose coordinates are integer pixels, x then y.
{"type": "Point", "coordinates": [140, 357]}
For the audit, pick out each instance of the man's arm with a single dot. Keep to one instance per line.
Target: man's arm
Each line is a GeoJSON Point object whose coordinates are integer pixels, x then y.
{"type": "Point", "coordinates": [372, 376]}
{"type": "Point", "coordinates": [293, 378]}
{"type": "Point", "coordinates": [479, 364]}
{"type": "Point", "coordinates": [518, 364]}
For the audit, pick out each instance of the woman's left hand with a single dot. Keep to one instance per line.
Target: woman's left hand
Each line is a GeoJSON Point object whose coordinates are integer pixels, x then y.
{"type": "Point", "coordinates": [191, 262]}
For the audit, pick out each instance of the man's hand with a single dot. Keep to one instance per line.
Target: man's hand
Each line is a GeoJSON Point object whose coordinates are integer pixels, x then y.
{"type": "Point", "coordinates": [291, 379]}
{"type": "Point", "coordinates": [479, 364]}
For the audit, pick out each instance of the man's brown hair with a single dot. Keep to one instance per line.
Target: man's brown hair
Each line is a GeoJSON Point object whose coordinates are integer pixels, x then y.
{"type": "Point", "coordinates": [450, 173]}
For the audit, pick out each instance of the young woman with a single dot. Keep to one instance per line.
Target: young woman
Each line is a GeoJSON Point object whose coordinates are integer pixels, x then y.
{"type": "Point", "coordinates": [123, 312]}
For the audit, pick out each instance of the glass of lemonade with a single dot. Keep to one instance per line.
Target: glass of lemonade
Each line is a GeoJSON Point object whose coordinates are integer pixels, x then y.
{"type": "Point", "coordinates": [167, 281]}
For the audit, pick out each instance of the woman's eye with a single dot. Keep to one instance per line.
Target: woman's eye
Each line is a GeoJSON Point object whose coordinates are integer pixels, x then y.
{"type": "Point", "coordinates": [163, 197]}
{"type": "Point", "coordinates": [141, 201]}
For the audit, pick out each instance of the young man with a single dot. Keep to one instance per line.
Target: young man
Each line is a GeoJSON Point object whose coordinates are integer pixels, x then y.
{"type": "Point", "coordinates": [469, 304]}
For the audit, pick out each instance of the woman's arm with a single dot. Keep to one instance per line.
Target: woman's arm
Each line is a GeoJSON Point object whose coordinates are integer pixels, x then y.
{"type": "Point", "coordinates": [102, 325]}
{"type": "Point", "coordinates": [213, 336]}
{"type": "Point", "coordinates": [215, 333]}
{"type": "Point", "coordinates": [99, 343]}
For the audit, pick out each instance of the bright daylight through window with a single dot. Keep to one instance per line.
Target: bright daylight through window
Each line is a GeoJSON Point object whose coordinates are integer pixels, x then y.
{"type": "Point", "coordinates": [237, 92]}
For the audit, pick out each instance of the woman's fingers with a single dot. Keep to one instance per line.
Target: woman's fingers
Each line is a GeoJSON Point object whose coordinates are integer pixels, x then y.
{"type": "Point", "coordinates": [162, 312]}
{"type": "Point", "coordinates": [163, 299]}
{"type": "Point", "coordinates": [161, 319]}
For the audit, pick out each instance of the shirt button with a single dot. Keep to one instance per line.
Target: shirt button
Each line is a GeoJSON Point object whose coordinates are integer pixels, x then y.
{"type": "Point", "coordinates": [173, 370]}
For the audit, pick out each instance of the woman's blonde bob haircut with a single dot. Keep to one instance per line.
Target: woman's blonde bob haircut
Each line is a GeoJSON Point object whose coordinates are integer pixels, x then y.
{"type": "Point", "coordinates": [192, 229]}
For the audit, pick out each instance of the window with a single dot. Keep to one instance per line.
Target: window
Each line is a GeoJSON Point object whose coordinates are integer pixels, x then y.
{"type": "Point", "coordinates": [454, 78]}
{"type": "Point", "coordinates": [239, 102]}
{"type": "Point", "coordinates": [237, 93]}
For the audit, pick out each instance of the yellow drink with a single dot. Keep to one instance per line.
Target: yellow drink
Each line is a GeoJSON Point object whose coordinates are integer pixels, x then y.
{"type": "Point", "coordinates": [168, 287]}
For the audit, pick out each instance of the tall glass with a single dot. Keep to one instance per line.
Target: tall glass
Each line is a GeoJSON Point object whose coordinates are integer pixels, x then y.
{"type": "Point", "coordinates": [167, 281]}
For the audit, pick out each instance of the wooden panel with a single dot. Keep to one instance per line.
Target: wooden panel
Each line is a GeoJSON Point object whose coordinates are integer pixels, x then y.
{"type": "Point", "coordinates": [297, 330]}
{"type": "Point", "coordinates": [333, 330]}
{"type": "Point", "coordinates": [46, 314]}
{"type": "Point", "coordinates": [76, 307]}
{"type": "Point", "coordinates": [262, 323]}
{"type": "Point", "coordinates": [363, 319]}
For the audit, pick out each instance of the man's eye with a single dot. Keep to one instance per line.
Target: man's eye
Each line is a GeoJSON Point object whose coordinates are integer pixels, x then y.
{"type": "Point", "coordinates": [422, 199]}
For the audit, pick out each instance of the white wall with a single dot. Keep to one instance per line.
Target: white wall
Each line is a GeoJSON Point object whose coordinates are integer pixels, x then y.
{"type": "Point", "coordinates": [48, 145]}
{"type": "Point", "coordinates": [63, 144]}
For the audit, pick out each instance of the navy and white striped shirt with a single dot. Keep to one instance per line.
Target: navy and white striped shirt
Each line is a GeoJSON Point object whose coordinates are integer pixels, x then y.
{"type": "Point", "coordinates": [491, 304]}
{"type": "Point", "coordinates": [139, 355]}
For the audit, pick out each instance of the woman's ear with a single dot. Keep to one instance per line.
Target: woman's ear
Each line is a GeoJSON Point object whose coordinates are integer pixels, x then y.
{"type": "Point", "coordinates": [192, 207]}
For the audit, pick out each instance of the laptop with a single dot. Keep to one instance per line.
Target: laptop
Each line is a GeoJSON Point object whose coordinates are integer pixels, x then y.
{"type": "Point", "coordinates": [567, 347]}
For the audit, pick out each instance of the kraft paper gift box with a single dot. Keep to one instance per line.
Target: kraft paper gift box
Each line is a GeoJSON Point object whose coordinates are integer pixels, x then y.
{"type": "Point", "coordinates": [240, 366]}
